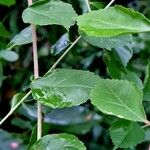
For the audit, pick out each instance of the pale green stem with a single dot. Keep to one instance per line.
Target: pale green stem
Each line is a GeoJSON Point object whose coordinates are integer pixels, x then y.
{"type": "Point", "coordinates": [14, 108]}
{"type": "Point", "coordinates": [88, 5]}
{"type": "Point", "coordinates": [64, 54]}
{"type": "Point", "coordinates": [110, 3]}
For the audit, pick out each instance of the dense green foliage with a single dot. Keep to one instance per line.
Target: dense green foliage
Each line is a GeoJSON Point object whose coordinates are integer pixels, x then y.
{"type": "Point", "coordinates": [100, 94]}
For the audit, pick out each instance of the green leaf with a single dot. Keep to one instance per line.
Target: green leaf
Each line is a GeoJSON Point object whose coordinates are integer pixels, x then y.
{"type": "Point", "coordinates": [113, 67]}
{"type": "Point", "coordinates": [116, 73]}
{"type": "Point", "coordinates": [77, 129]}
{"type": "Point", "coordinates": [109, 42]}
{"type": "Point", "coordinates": [119, 98]}
{"type": "Point", "coordinates": [58, 142]}
{"type": "Point", "coordinates": [74, 120]}
{"type": "Point", "coordinates": [8, 55]}
{"type": "Point", "coordinates": [98, 4]}
{"type": "Point", "coordinates": [70, 116]}
{"type": "Point", "coordinates": [18, 122]}
{"type": "Point", "coordinates": [7, 2]}
{"type": "Point", "coordinates": [30, 110]}
{"type": "Point", "coordinates": [16, 99]}
{"type": "Point", "coordinates": [132, 76]}
{"type": "Point", "coordinates": [125, 134]}
{"type": "Point", "coordinates": [33, 138]}
{"type": "Point", "coordinates": [24, 37]}
{"type": "Point", "coordinates": [146, 89]}
{"type": "Point", "coordinates": [64, 88]}
{"type": "Point", "coordinates": [50, 12]}
{"type": "Point", "coordinates": [61, 44]}
{"type": "Point", "coordinates": [3, 31]}
{"type": "Point", "coordinates": [122, 54]}
{"type": "Point", "coordinates": [112, 22]}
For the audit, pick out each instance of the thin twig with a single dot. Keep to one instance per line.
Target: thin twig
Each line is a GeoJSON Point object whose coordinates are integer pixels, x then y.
{"type": "Point", "coordinates": [36, 75]}
{"type": "Point", "coordinates": [109, 4]}
{"type": "Point", "coordinates": [147, 123]}
{"type": "Point", "coordinates": [88, 5]}
{"type": "Point", "coordinates": [14, 108]}
{"type": "Point", "coordinates": [63, 55]}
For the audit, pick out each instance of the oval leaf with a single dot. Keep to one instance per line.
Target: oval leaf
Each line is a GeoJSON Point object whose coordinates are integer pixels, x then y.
{"type": "Point", "coordinates": [125, 134]}
{"type": "Point", "coordinates": [8, 55]}
{"type": "Point", "coordinates": [58, 142]}
{"type": "Point", "coordinates": [64, 88]}
{"type": "Point", "coordinates": [70, 116]}
{"type": "Point", "coordinates": [50, 12]}
{"type": "Point", "coordinates": [112, 22]}
{"type": "Point", "coordinates": [22, 38]}
{"type": "Point", "coordinates": [122, 54]}
{"type": "Point", "coordinates": [119, 98]}
{"type": "Point", "coordinates": [61, 44]}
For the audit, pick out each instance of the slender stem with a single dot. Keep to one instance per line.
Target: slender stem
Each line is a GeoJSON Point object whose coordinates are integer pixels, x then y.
{"type": "Point", "coordinates": [147, 123]}
{"type": "Point", "coordinates": [63, 55]}
{"type": "Point", "coordinates": [35, 55]}
{"type": "Point", "coordinates": [109, 4]}
{"type": "Point", "coordinates": [14, 108]}
{"type": "Point", "coordinates": [36, 75]}
{"type": "Point", "coordinates": [55, 64]}
{"type": "Point", "coordinates": [88, 5]}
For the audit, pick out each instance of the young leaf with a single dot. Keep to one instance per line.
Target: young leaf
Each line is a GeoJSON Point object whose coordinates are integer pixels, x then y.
{"type": "Point", "coordinates": [61, 44]}
{"type": "Point", "coordinates": [24, 37]}
{"type": "Point", "coordinates": [8, 55]}
{"type": "Point", "coordinates": [58, 142]}
{"type": "Point", "coordinates": [109, 42]}
{"type": "Point", "coordinates": [122, 54]}
{"type": "Point", "coordinates": [3, 31]}
{"type": "Point", "coordinates": [50, 12]}
{"type": "Point", "coordinates": [64, 88]}
{"type": "Point", "coordinates": [119, 98]}
{"type": "Point", "coordinates": [146, 89]}
{"type": "Point", "coordinates": [132, 76]}
{"type": "Point", "coordinates": [112, 22]}
{"type": "Point", "coordinates": [125, 134]}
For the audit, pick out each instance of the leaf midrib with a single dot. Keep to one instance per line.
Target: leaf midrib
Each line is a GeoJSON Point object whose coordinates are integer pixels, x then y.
{"type": "Point", "coordinates": [124, 105]}
{"type": "Point", "coordinates": [125, 135]}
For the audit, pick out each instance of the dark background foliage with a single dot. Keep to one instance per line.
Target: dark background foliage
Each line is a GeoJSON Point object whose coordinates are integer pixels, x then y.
{"type": "Point", "coordinates": [90, 125]}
